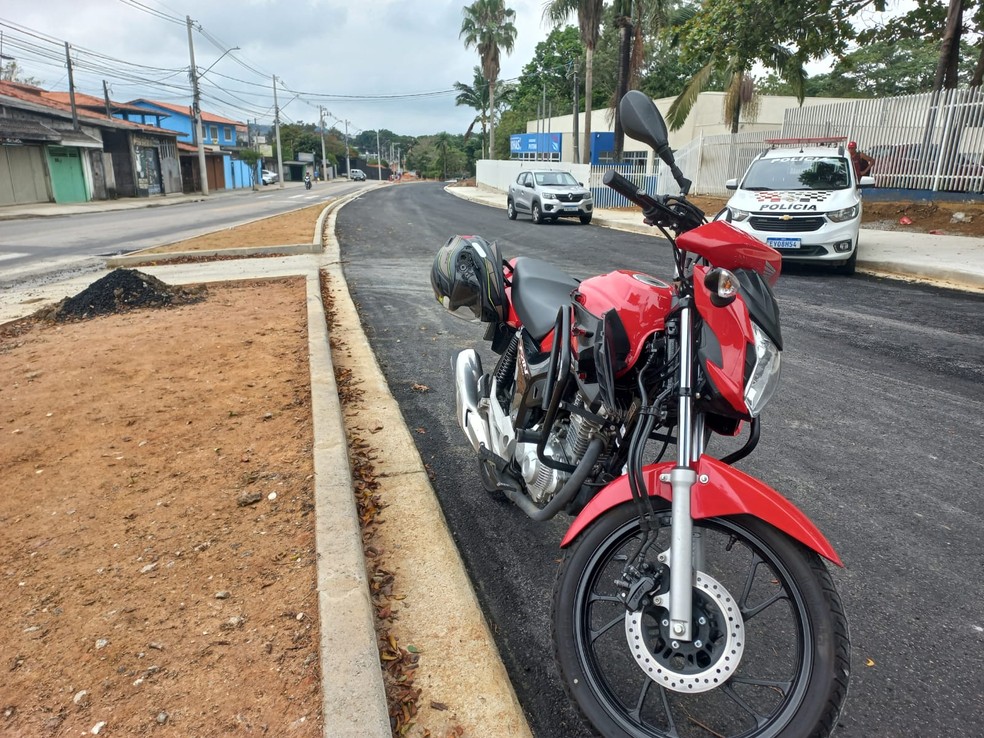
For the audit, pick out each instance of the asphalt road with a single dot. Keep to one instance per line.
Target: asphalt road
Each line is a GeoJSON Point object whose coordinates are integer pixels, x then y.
{"type": "Point", "coordinates": [875, 433]}
{"type": "Point", "coordinates": [51, 247]}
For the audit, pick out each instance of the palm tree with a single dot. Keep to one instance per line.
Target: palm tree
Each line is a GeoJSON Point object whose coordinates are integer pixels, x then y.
{"type": "Point", "coordinates": [488, 26]}
{"type": "Point", "coordinates": [739, 88]}
{"type": "Point", "coordinates": [589, 22]}
{"type": "Point", "coordinates": [476, 96]}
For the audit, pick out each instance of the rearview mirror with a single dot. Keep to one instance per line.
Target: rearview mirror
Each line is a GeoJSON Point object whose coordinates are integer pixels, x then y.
{"type": "Point", "coordinates": [642, 121]}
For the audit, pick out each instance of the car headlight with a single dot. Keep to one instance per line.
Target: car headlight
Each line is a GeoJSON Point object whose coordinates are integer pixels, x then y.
{"type": "Point", "coordinates": [839, 216]}
{"type": "Point", "coordinates": [548, 196]}
{"type": "Point", "coordinates": [739, 215]}
{"type": "Point", "coordinates": [765, 376]}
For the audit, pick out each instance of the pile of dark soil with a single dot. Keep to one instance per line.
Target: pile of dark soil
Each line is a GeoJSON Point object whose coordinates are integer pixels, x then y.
{"type": "Point", "coordinates": [120, 291]}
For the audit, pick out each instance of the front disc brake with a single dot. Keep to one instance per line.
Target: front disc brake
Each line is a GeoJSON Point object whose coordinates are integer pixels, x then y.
{"type": "Point", "coordinates": [702, 664]}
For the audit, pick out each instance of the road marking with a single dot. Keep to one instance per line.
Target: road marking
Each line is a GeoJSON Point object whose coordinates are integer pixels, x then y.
{"type": "Point", "coordinates": [14, 255]}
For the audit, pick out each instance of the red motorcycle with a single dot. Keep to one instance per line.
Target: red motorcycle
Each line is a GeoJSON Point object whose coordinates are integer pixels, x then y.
{"type": "Point", "coordinates": [692, 599]}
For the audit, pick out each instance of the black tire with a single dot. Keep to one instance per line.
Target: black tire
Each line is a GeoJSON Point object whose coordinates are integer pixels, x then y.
{"type": "Point", "coordinates": [585, 219]}
{"type": "Point", "coordinates": [793, 668]}
{"type": "Point", "coordinates": [536, 213]}
{"type": "Point", "coordinates": [511, 209]}
{"type": "Point", "coordinates": [851, 265]}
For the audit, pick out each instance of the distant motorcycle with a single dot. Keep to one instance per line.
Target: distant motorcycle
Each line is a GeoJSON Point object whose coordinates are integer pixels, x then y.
{"type": "Point", "coordinates": [692, 599]}
{"type": "Point", "coordinates": [307, 181]}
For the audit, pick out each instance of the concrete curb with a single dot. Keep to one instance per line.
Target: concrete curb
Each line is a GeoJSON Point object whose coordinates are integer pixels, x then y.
{"type": "Point", "coordinates": [148, 256]}
{"type": "Point", "coordinates": [353, 695]}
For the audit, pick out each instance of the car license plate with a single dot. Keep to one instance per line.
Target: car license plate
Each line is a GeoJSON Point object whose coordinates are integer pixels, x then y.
{"type": "Point", "coordinates": [570, 208]}
{"type": "Point", "coordinates": [784, 243]}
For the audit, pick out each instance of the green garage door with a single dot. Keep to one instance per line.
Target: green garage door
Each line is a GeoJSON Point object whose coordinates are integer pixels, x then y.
{"type": "Point", "coordinates": [22, 175]}
{"type": "Point", "coordinates": [67, 179]}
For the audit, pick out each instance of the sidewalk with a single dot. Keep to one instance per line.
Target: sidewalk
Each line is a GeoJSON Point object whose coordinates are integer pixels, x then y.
{"type": "Point", "coordinates": [948, 261]}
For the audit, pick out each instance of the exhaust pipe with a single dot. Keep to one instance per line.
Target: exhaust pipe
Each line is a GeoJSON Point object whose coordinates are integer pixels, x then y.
{"type": "Point", "coordinates": [467, 368]}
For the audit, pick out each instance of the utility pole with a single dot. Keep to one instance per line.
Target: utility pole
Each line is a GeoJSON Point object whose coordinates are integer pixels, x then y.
{"type": "Point", "coordinates": [203, 175]}
{"type": "Point", "coordinates": [542, 128]}
{"type": "Point", "coordinates": [324, 161]}
{"type": "Point", "coordinates": [379, 158]}
{"type": "Point", "coordinates": [276, 126]}
{"type": "Point", "coordinates": [71, 87]}
{"type": "Point", "coordinates": [348, 164]}
{"type": "Point", "coordinates": [109, 111]}
{"type": "Point", "coordinates": [577, 108]}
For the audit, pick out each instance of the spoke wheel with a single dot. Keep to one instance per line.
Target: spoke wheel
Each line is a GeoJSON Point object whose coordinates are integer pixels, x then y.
{"type": "Point", "coordinates": [793, 662]}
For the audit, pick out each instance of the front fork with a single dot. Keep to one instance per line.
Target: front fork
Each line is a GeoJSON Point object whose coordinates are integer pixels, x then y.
{"type": "Point", "coordinates": [686, 550]}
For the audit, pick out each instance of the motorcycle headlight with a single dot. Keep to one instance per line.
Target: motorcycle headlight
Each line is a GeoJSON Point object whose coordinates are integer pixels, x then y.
{"type": "Point", "coordinates": [839, 216]}
{"type": "Point", "coordinates": [765, 376]}
{"type": "Point", "coordinates": [738, 215]}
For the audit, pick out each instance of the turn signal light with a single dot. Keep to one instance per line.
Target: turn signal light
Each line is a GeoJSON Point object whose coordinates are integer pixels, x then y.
{"type": "Point", "coordinates": [723, 286]}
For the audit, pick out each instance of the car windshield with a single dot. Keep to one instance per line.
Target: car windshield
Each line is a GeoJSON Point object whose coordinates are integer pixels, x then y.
{"type": "Point", "coordinates": [549, 179]}
{"type": "Point", "coordinates": [798, 173]}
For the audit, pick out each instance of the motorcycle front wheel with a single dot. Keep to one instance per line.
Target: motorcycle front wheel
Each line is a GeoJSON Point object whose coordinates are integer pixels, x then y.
{"type": "Point", "coordinates": [770, 656]}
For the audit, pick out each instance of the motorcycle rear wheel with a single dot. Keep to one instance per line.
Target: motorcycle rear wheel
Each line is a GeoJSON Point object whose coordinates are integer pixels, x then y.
{"type": "Point", "coordinates": [793, 670]}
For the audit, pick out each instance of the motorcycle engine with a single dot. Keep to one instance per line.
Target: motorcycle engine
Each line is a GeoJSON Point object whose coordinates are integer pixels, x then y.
{"type": "Point", "coordinates": [567, 443]}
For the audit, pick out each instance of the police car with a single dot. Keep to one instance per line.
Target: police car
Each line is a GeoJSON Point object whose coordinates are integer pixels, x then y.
{"type": "Point", "coordinates": [802, 197]}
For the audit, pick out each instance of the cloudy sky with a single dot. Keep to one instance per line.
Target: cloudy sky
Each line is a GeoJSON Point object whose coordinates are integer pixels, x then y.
{"type": "Point", "coordinates": [379, 64]}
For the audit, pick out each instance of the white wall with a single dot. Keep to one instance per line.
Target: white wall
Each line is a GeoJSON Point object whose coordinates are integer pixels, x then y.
{"type": "Point", "coordinates": [498, 174]}
{"type": "Point", "coordinates": [706, 118]}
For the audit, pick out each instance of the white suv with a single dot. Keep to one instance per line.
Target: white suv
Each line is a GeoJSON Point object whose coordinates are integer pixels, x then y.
{"type": "Point", "coordinates": [802, 197]}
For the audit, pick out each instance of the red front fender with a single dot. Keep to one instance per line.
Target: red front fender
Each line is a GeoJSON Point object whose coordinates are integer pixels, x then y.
{"type": "Point", "coordinates": [727, 491]}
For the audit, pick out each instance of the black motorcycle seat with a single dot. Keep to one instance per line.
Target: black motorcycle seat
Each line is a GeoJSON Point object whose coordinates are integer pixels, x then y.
{"type": "Point", "coordinates": [538, 291]}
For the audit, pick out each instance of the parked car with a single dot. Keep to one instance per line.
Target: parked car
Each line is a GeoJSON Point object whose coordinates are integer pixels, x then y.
{"type": "Point", "coordinates": [547, 195]}
{"type": "Point", "coordinates": [803, 198]}
{"type": "Point", "coordinates": [268, 177]}
{"type": "Point", "coordinates": [357, 175]}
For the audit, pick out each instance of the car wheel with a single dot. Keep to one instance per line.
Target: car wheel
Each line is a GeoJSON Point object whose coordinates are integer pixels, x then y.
{"type": "Point", "coordinates": [537, 213]}
{"type": "Point", "coordinates": [585, 219]}
{"type": "Point", "coordinates": [849, 266]}
{"type": "Point", "coordinates": [511, 210]}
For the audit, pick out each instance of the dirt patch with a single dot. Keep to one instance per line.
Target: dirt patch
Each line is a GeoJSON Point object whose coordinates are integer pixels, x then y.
{"type": "Point", "coordinates": [948, 218]}
{"type": "Point", "coordinates": [158, 562]}
{"type": "Point", "coordinates": [288, 229]}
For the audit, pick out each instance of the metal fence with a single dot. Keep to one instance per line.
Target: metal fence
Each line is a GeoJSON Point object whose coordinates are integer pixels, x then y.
{"type": "Point", "coordinates": [605, 197]}
{"type": "Point", "coordinates": [933, 141]}
{"type": "Point", "coordinates": [930, 142]}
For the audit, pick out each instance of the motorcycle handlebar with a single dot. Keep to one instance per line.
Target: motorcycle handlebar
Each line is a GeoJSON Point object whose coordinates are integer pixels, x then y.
{"type": "Point", "coordinates": [655, 209]}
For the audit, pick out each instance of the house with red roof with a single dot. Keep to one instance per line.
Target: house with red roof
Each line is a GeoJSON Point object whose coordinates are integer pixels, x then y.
{"type": "Point", "coordinates": [223, 138]}
{"type": "Point", "coordinates": [54, 151]}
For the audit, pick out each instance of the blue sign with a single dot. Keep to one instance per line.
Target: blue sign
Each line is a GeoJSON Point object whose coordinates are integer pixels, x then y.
{"type": "Point", "coordinates": [534, 143]}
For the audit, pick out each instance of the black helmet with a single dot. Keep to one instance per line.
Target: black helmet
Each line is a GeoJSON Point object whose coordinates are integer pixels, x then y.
{"type": "Point", "coordinates": [467, 273]}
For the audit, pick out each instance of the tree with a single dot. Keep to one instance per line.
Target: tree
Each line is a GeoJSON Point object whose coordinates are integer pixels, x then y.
{"type": "Point", "coordinates": [632, 18]}
{"type": "Point", "coordinates": [488, 26]}
{"type": "Point", "coordinates": [11, 72]}
{"type": "Point", "coordinates": [475, 96]}
{"type": "Point", "coordinates": [945, 25]}
{"type": "Point", "coordinates": [251, 157]}
{"type": "Point", "coordinates": [875, 69]}
{"type": "Point", "coordinates": [589, 14]}
{"type": "Point", "coordinates": [730, 36]}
